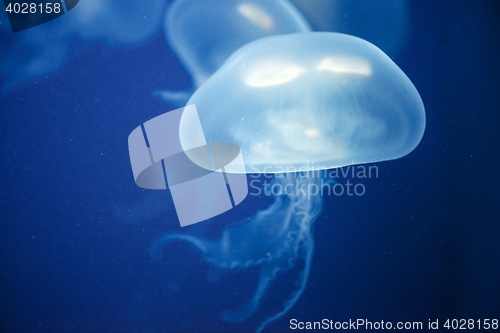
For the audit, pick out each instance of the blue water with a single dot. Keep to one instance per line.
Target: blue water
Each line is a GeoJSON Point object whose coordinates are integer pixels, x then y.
{"type": "Point", "coordinates": [75, 230]}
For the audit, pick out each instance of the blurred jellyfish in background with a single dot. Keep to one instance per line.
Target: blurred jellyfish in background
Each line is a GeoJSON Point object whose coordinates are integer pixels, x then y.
{"type": "Point", "coordinates": [298, 102]}
{"type": "Point", "coordinates": [383, 23]}
{"type": "Point", "coordinates": [42, 50]}
{"type": "Point", "coordinates": [204, 34]}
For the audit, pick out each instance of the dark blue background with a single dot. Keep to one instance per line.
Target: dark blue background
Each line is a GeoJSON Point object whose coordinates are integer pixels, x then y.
{"type": "Point", "coordinates": [423, 243]}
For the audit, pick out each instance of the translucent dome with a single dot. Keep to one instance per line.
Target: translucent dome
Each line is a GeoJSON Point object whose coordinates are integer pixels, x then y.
{"type": "Point", "coordinates": [205, 33]}
{"type": "Point", "coordinates": [310, 101]}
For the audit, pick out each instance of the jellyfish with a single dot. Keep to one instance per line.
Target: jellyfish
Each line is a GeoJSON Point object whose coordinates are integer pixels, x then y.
{"type": "Point", "coordinates": [205, 34]}
{"type": "Point", "coordinates": [298, 104]}
{"type": "Point", "coordinates": [42, 50]}
{"type": "Point", "coordinates": [383, 23]}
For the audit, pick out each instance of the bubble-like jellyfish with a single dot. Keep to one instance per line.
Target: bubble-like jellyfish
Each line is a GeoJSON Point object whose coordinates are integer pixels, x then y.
{"type": "Point", "coordinates": [299, 102]}
{"type": "Point", "coordinates": [204, 34]}
{"type": "Point", "coordinates": [41, 50]}
{"type": "Point", "coordinates": [383, 23]}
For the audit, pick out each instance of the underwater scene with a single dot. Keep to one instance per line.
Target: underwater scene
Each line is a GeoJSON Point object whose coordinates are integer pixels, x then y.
{"type": "Point", "coordinates": [249, 165]}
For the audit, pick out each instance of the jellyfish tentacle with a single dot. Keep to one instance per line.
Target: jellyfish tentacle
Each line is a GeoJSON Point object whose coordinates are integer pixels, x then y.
{"type": "Point", "coordinates": [268, 273]}
{"type": "Point", "coordinates": [307, 209]}
{"type": "Point", "coordinates": [177, 98]}
{"type": "Point", "coordinates": [261, 229]}
{"type": "Point", "coordinates": [160, 242]}
{"type": "Point", "coordinates": [276, 238]}
{"type": "Point", "coordinates": [295, 295]}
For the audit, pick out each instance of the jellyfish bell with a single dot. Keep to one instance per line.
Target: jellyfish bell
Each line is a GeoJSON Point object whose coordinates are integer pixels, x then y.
{"type": "Point", "coordinates": [310, 101]}
{"type": "Point", "coordinates": [203, 34]}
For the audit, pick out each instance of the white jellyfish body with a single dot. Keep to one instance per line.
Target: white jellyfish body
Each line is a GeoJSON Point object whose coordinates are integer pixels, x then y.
{"type": "Point", "coordinates": [204, 34]}
{"type": "Point", "coordinates": [310, 101]}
